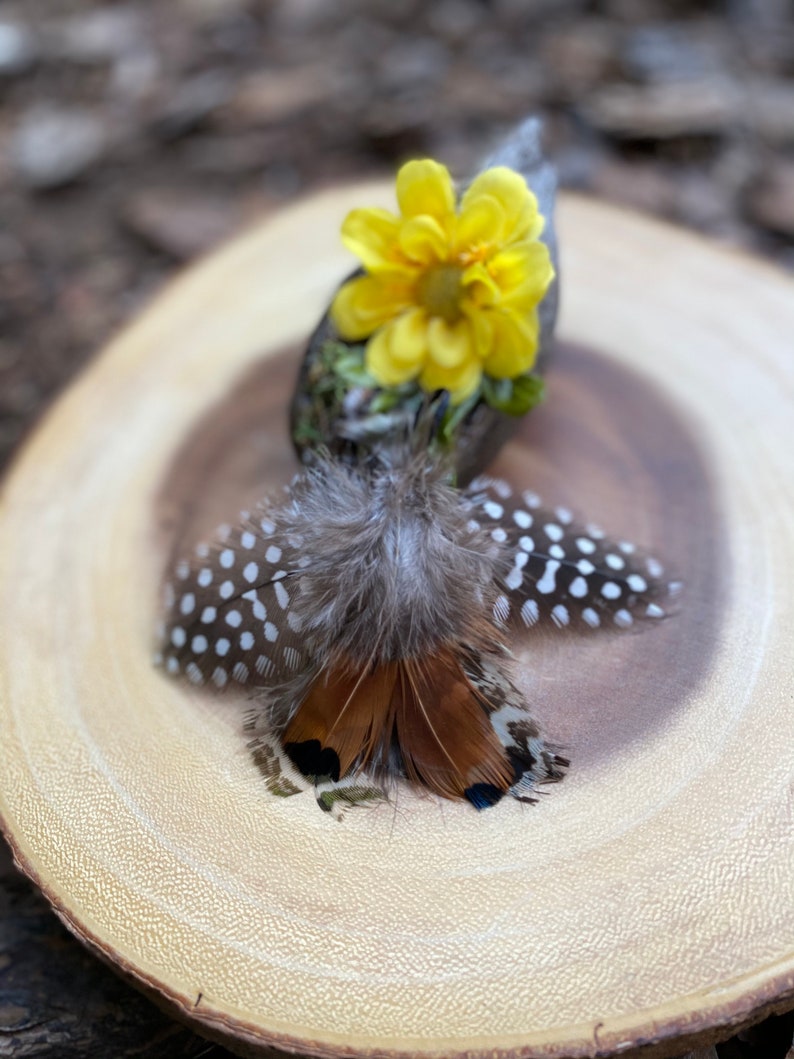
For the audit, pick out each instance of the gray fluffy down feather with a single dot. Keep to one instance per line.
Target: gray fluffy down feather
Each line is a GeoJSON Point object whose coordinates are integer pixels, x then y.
{"type": "Point", "coordinates": [394, 563]}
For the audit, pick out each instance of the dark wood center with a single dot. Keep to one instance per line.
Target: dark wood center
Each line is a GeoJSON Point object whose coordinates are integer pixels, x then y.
{"type": "Point", "coordinates": [606, 444]}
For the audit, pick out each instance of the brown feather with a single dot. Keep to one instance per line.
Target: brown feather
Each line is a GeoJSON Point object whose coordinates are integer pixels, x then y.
{"type": "Point", "coordinates": [437, 715]}
{"type": "Point", "coordinates": [348, 712]}
{"type": "Point", "coordinates": [446, 740]}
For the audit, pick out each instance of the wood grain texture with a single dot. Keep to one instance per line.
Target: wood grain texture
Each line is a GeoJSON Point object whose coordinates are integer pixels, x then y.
{"type": "Point", "coordinates": [648, 899]}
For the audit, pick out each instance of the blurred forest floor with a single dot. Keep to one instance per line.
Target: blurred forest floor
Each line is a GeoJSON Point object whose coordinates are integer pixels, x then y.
{"type": "Point", "coordinates": [136, 135]}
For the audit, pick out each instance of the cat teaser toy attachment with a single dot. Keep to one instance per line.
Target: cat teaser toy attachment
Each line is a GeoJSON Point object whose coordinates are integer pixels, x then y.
{"type": "Point", "coordinates": [452, 296]}
{"type": "Point", "coordinates": [370, 607]}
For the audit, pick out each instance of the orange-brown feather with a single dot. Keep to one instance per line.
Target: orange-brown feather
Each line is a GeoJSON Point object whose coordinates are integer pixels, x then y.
{"type": "Point", "coordinates": [446, 740]}
{"type": "Point", "coordinates": [349, 712]}
{"type": "Point", "coordinates": [428, 706]}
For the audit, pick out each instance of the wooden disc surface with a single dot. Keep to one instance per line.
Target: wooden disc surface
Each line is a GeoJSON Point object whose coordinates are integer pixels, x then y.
{"type": "Point", "coordinates": [647, 899]}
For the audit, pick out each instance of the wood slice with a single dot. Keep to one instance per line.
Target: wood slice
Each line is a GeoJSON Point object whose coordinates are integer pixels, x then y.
{"type": "Point", "coordinates": [646, 902]}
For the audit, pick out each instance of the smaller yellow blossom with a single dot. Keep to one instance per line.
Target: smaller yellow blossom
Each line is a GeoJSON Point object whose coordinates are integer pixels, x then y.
{"type": "Point", "coordinates": [449, 294]}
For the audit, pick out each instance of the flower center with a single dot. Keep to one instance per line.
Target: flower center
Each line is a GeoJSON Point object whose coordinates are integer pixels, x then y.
{"type": "Point", "coordinates": [439, 290]}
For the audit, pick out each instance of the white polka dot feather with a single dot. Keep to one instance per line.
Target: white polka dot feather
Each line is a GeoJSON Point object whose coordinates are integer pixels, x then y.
{"type": "Point", "coordinates": [562, 572]}
{"type": "Point", "coordinates": [229, 616]}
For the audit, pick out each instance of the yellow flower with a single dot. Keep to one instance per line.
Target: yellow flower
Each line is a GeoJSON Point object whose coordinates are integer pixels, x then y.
{"type": "Point", "coordinates": [448, 294]}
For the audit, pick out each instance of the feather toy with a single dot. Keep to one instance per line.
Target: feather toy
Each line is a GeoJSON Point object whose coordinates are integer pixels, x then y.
{"type": "Point", "coordinates": [371, 610]}
{"type": "Point", "coordinates": [370, 607]}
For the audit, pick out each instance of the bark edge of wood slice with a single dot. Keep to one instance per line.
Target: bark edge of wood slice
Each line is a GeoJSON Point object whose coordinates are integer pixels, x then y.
{"type": "Point", "coordinates": [647, 902]}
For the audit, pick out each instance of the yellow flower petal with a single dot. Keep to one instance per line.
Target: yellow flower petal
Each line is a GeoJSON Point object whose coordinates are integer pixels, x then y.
{"type": "Point", "coordinates": [447, 296]}
{"type": "Point", "coordinates": [514, 345]}
{"type": "Point", "coordinates": [536, 226]}
{"type": "Point", "coordinates": [425, 187]}
{"type": "Point", "coordinates": [523, 273]}
{"type": "Point", "coordinates": [449, 345]}
{"type": "Point", "coordinates": [480, 322]}
{"type": "Point", "coordinates": [511, 192]}
{"type": "Point", "coordinates": [408, 337]}
{"type": "Point", "coordinates": [422, 239]}
{"type": "Point", "coordinates": [363, 304]}
{"type": "Point", "coordinates": [461, 382]}
{"type": "Point", "coordinates": [480, 225]}
{"type": "Point", "coordinates": [480, 288]}
{"type": "Point", "coordinates": [384, 368]}
{"type": "Point", "coordinates": [371, 234]}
